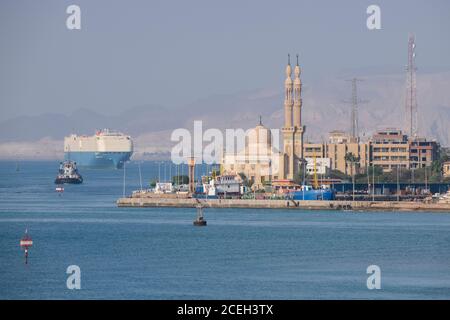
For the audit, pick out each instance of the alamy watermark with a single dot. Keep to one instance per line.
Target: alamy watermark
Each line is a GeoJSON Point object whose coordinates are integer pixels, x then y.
{"type": "Point", "coordinates": [73, 21]}
{"type": "Point", "coordinates": [74, 279]}
{"type": "Point", "coordinates": [374, 20]}
{"type": "Point", "coordinates": [259, 145]}
{"type": "Point", "coordinates": [374, 280]}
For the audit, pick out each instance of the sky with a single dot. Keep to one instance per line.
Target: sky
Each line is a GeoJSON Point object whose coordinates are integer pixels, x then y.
{"type": "Point", "coordinates": [172, 53]}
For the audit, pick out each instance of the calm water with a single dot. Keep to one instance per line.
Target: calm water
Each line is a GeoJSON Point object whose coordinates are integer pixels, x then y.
{"type": "Point", "coordinates": [156, 253]}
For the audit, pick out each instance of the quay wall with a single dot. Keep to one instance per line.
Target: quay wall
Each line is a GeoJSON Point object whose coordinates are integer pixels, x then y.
{"type": "Point", "coordinates": [284, 204]}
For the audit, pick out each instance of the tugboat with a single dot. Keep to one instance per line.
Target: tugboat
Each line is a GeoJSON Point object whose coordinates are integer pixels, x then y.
{"type": "Point", "coordinates": [200, 221]}
{"type": "Point", "coordinates": [68, 173]}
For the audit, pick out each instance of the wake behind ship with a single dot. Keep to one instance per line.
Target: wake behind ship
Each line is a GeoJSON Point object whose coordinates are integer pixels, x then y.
{"type": "Point", "coordinates": [105, 149]}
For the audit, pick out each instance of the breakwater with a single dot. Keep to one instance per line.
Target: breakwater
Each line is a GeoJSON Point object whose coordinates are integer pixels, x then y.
{"type": "Point", "coordinates": [283, 204]}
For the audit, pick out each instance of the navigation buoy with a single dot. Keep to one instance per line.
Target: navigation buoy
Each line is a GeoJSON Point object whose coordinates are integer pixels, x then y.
{"type": "Point", "coordinates": [200, 221]}
{"type": "Point", "coordinates": [25, 243]}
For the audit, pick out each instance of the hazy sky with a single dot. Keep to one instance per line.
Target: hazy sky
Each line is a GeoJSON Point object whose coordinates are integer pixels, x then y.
{"type": "Point", "coordinates": [131, 53]}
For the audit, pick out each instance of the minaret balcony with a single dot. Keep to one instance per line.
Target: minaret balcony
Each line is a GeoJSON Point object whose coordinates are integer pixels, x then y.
{"type": "Point", "coordinates": [288, 129]}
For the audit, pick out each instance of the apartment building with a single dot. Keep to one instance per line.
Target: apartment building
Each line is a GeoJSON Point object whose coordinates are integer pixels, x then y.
{"type": "Point", "coordinates": [422, 153]}
{"type": "Point", "coordinates": [338, 146]}
{"type": "Point", "coordinates": [390, 149]}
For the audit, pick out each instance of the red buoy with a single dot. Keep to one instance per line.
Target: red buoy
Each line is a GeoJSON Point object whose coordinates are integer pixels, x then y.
{"type": "Point", "coordinates": [25, 243]}
{"type": "Point", "coordinates": [59, 189]}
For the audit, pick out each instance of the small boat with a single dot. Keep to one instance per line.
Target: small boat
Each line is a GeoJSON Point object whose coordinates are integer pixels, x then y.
{"type": "Point", "coordinates": [59, 189]}
{"type": "Point", "coordinates": [200, 221]}
{"type": "Point", "coordinates": [68, 173]}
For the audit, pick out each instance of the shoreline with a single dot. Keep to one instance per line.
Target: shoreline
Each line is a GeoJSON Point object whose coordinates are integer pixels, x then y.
{"type": "Point", "coordinates": [405, 206]}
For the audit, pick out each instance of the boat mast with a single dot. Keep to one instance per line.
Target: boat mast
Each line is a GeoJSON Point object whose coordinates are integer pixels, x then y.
{"type": "Point", "coordinates": [316, 183]}
{"type": "Point", "coordinates": [124, 179]}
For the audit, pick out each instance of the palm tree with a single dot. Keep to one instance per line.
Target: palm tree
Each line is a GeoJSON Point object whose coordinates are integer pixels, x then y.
{"type": "Point", "coordinates": [350, 157]}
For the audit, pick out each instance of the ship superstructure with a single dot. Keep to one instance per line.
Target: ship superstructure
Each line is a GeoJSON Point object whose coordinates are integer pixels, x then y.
{"type": "Point", "coordinates": [105, 149]}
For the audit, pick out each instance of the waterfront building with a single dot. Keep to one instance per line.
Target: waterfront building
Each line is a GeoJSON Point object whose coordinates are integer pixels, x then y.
{"type": "Point", "coordinates": [337, 136]}
{"type": "Point", "coordinates": [319, 165]}
{"type": "Point", "coordinates": [390, 149]}
{"type": "Point", "coordinates": [336, 150]}
{"type": "Point", "coordinates": [387, 149]}
{"type": "Point", "coordinates": [338, 153]}
{"type": "Point", "coordinates": [258, 160]}
{"type": "Point", "coordinates": [422, 153]}
{"type": "Point", "coordinates": [311, 150]}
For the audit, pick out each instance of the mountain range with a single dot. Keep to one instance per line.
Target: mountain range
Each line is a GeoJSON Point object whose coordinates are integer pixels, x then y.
{"type": "Point", "coordinates": [323, 110]}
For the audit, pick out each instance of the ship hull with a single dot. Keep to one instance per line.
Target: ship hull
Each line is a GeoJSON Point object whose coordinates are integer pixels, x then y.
{"type": "Point", "coordinates": [326, 194]}
{"type": "Point", "coordinates": [69, 180]}
{"type": "Point", "coordinates": [99, 160]}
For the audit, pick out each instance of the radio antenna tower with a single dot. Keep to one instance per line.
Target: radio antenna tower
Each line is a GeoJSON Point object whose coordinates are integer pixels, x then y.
{"type": "Point", "coordinates": [354, 119]}
{"type": "Point", "coordinates": [411, 98]}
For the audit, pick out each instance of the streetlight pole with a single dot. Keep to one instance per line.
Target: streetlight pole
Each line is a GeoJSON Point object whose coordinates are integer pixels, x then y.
{"type": "Point", "coordinates": [368, 179]}
{"type": "Point", "coordinates": [353, 179]}
{"type": "Point", "coordinates": [124, 179]}
{"type": "Point", "coordinates": [373, 182]}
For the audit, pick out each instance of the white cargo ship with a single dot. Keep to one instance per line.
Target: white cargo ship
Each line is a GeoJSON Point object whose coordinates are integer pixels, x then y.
{"type": "Point", "coordinates": [105, 149]}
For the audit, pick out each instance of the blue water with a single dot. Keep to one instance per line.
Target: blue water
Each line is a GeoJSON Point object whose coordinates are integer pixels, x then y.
{"type": "Point", "coordinates": [156, 253]}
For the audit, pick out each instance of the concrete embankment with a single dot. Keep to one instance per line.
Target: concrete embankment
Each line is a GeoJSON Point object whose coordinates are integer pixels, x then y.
{"type": "Point", "coordinates": [283, 204]}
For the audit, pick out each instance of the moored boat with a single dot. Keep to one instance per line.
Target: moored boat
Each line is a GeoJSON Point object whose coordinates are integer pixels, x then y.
{"type": "Point", "coordinates": [308, 193]}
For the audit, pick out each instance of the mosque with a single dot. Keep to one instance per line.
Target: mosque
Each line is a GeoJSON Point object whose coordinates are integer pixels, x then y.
{"type": "Point", "coordinates": [259, 160]}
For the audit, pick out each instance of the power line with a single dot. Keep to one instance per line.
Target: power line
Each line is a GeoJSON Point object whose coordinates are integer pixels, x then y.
{"type": "Point", "coordinates": [354, 118]}
{"type": "Point", "coordinates": [411, 94]}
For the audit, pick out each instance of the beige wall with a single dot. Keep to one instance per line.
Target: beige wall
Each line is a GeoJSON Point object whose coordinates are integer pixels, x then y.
{"type": "Point", "coordinates": [389, 155]}
{"type": "Point", "coordinates": [337, 151]}
{"type": "Point", "coordinates": [446, 169]}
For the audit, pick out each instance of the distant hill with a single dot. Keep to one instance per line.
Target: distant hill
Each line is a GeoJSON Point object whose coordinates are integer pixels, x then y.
{"type": "Point", "coordinates": [323, 111]}
{"type": "Point", "coordinates": [134, 121]}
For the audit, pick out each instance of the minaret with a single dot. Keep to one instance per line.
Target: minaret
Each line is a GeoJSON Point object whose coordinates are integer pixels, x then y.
{"type": "Point", "coordinates": [292, 129]}
{"type": "Point", "coordinates": [297, 96]}
{"type": "Point", "coordinates": [299, 129]}
{"type": "Point", "coordinates": [288, 96]}
{"type": "Point", "coordinates": [288, 129]}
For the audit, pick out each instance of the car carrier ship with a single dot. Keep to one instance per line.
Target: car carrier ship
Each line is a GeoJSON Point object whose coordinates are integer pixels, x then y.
{"type": "Point", "coordinates": [105, 149]}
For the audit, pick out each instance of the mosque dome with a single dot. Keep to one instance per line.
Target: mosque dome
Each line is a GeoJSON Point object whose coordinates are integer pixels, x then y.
{"type": "Point", "coordinates": [260, 138]}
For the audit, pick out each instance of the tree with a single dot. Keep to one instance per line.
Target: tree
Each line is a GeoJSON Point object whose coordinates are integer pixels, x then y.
{"type": "Point", "coordinates": [353, 160]}
{"type": "Point", "coordinates": [336, 174]}
{"type": "Point", "coordinates": [245, 181]}
{"type": "Point", "coordinates": [350, 157]}
{"type": "Point", "coordinates": [298, 178]}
